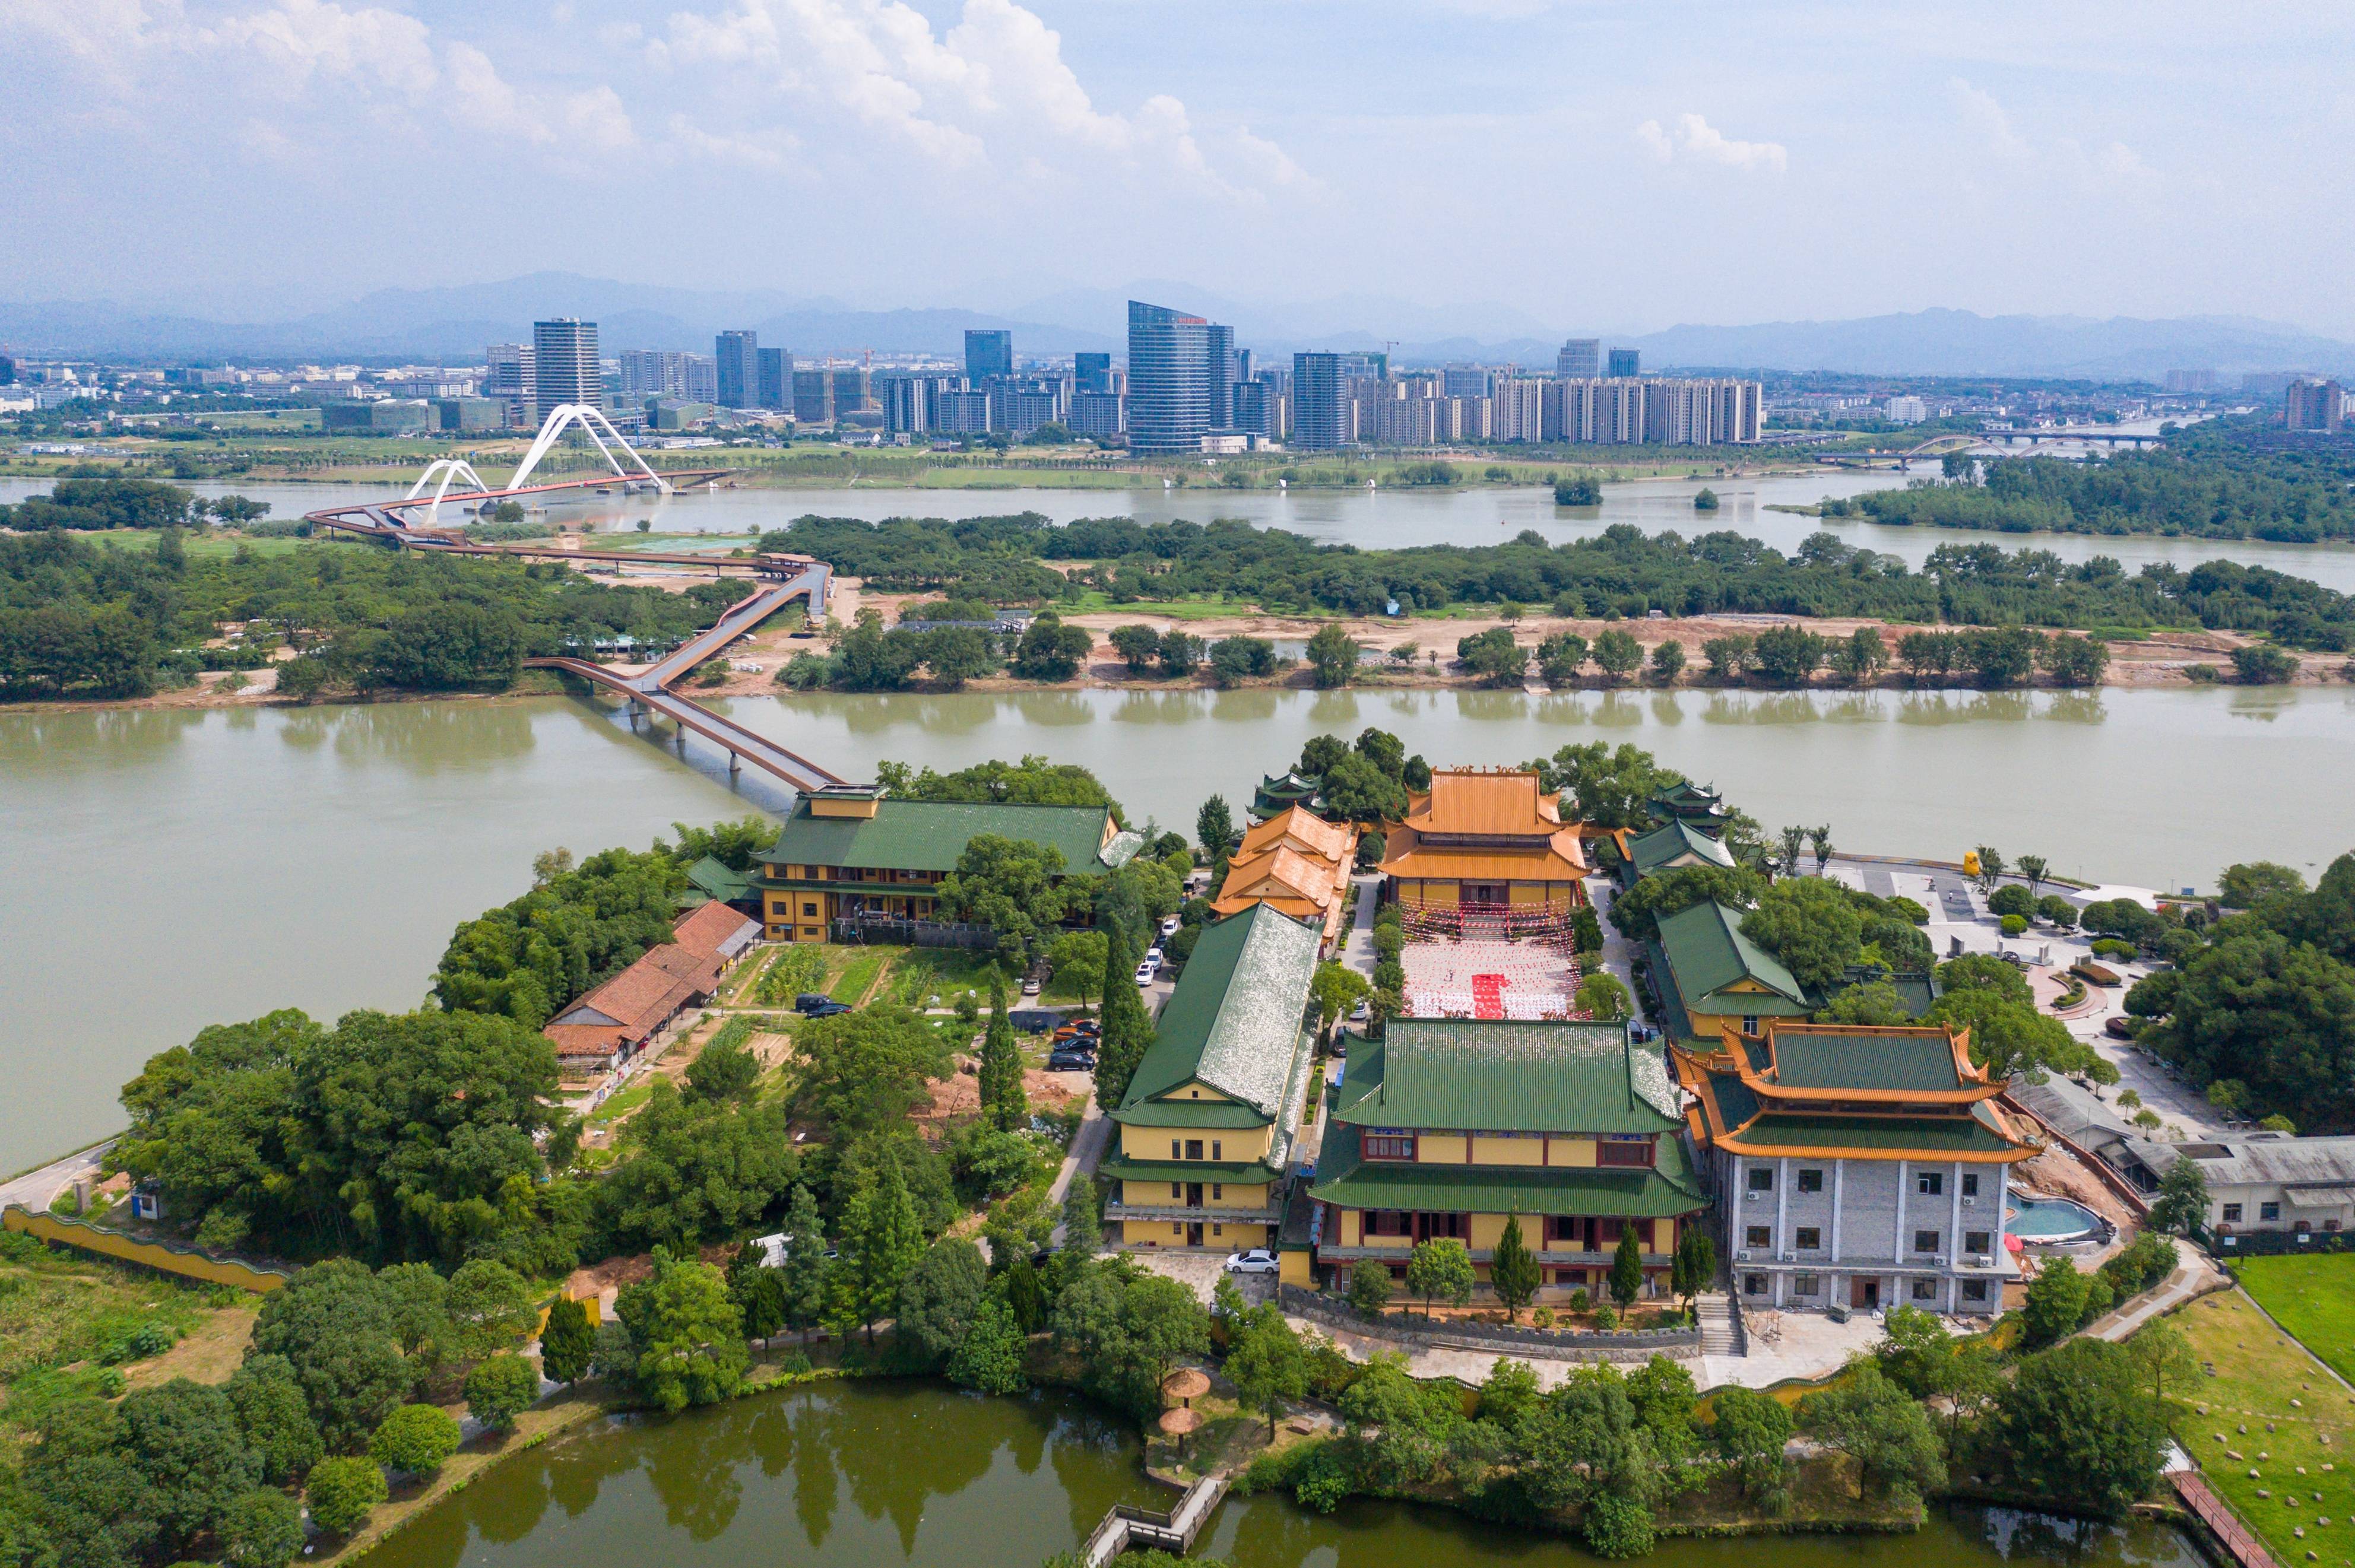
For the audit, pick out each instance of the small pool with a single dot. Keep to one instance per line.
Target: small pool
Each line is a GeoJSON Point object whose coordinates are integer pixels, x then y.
{"type": "Point", "coordinates": [2053, 1220]}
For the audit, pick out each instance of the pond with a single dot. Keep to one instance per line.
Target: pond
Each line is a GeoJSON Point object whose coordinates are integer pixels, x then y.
{"type": "Point", "coordinates": [863, 1474]}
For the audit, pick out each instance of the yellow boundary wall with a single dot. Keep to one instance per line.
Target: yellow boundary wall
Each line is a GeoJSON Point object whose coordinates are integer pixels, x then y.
{"type": "Point", "coordinates": [187, 1262]}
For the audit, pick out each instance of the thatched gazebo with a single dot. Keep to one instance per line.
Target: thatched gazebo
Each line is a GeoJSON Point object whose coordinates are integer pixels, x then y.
{"type": "Point", "coordinates": [1182, 1422]}
{"type": "Point", "coordinates": [1186, 1385]}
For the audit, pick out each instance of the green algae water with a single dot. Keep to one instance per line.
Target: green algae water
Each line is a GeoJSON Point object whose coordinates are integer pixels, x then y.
{"type": "Point", "coordinates": [872, 1474]}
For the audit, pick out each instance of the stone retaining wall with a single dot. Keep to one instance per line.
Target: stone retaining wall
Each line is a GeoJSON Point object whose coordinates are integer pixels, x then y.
{"type": "Point", "coordinates": [1637, 1344]}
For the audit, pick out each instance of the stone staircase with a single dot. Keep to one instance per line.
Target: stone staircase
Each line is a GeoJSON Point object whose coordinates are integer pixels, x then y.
{"type": "Point", "coordinates": [1719, 1335]}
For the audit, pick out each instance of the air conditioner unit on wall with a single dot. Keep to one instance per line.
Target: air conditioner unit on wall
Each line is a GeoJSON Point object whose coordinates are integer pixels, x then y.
{"type": "Point", "coordinates": [1742, 1258]}
{"type": "Point", "coordinates": [1969, 1202]}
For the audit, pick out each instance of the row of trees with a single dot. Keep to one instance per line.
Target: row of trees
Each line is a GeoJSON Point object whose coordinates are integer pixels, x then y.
{"type": "Point", "coordinates": [1622, 571]}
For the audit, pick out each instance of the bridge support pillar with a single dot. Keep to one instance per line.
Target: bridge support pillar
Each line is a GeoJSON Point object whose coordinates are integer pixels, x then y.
{"type": "Point", "coordinates": [735, 765]}
{"type": "Point", "coordinates": [678, 739]}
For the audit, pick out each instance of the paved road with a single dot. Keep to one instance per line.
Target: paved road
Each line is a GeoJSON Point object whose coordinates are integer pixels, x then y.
{"type": "Point", "coordinates": [35, 1188]}
{"type": "Point", "coordinates": [1358, 942]}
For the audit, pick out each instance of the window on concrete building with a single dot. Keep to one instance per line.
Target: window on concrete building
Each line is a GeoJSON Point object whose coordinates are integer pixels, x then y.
{"type": "Point", "coordinates": [1760, 1236]}
{"type": "Point", "coordinates": [1176, 1190]}
{"type": "Point", "coordinates": [1217, 1190]}
{"type": "Point", "coordinates": [809, 911]}
{"type": "Point", "coordinates": [1930, 1183]}
{"type": "Point", "coordinates": [2269, 1211]}
{"type": "Point", "coordinates": [1215, 1146]}
{"type": "Point", "coordinates": [1387, 1146]}
{"type": "Point", "coordinates": [1176, 1150]}
{"type": "Point", "coordinates": [1811, 1181]}
{"type": "Point", "coordinates": [1808, 1238]}
{"type": "Point", "coordinates": [1970, 1184]}
{"type": "Point", "coordinates": [1977, 1241]}
{"type": "Point", "coordinates": [1805, 1285]}
{"type": "Point", "coordinates": [1925, 1290]}
{"type": "Point", "coordinates": [1762, 1178]}
{"type": "Point", "coordinates": [2232, 1214]}
{"type": "Point", "coordinates": [1753, 1285]}
{"type": "Point", "coordinates": [1926, 1240]}
{"type": "Point", "coordinates": [1193, 1148]}
{"type": "Point", "coordinates": [1975, 1290]}
{"type": "Point", "coordinates": [1750, 1023]}
{"type": "Point", "coordinates": [1217, 1230]}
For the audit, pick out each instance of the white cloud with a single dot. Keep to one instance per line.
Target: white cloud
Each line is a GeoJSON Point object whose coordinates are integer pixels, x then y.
{"type": "Point", "coordinates": [993, 90]}
{"type": "Point", "coordinates": [1983, 114]}
{"type": "Point", "coordinates": [1696, 138]}
{"type": "Point", "coordinates": [2114, 163]}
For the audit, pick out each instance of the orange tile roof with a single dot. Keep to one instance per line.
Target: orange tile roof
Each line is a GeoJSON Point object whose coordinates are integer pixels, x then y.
{"type": "Point", "coordinates": [1328, 841]}
{"type": "Point", "coordinates": [1476, 800]}
{"type": "Point", "coordinates": [1559, 859]}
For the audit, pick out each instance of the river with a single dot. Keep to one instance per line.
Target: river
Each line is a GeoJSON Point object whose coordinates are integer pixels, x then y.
{"type": "Point", "coordinates": [859, 1475]}
{"type": "Point", "coordinates": [169, 869]}
{"type": "Point", "coordinates": [1382, 519]}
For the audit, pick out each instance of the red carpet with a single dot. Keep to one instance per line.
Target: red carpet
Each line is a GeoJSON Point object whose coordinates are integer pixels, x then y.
{"type": "Point", "coordinates": [1487, 996]}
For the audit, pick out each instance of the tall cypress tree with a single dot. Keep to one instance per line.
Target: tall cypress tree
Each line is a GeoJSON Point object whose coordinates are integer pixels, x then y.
{"type": "Point", "coordinates": [1001, 1099]}
{"type": "Point", "coordinates": [1627, 1268]}
{"type": "Point", "coordinates": [1126, 1028]}
{"type": "Point", "coordinates": [883, 1228]}
{"type": "Point", "coordinates": [1513, 1270]}
{"type": "Point", "coordinates": [805, 1269]}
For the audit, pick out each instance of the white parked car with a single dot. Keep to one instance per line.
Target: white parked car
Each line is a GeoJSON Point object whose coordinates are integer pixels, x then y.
{"type": "Point", "coordinates": [1147, 970]}
{"type": "Point", "coordinates": [1169, 926]}
{"type": "Point", "coordinates": [1154, 954]}
{"type": "Point", "coordinates": [1258, 1260]}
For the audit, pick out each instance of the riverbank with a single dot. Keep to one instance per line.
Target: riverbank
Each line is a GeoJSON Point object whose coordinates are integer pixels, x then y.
{"type": "Point", "coordinates": [1410, 654]}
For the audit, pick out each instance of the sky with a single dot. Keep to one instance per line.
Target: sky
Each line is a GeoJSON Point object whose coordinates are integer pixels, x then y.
{"type": "Point", "coordinates": [1526, 164]}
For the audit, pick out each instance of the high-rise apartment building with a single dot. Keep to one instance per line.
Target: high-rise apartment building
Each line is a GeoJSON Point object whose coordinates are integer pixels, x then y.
{"type": "Point", "coordinates": [1099, 415]}
{"type": "Point", "coordinates": [653, 373]}
{"type": "Point", "coordinates": [701, 373]}
{"type": "Point", "coordinates": [1324, 416]}
{"type": "Point", "coordinates": [1579, 359]}
{"type": "Point", "coordinates": [988, 353]}
{"type": "Point", "coordinates": [507, 371]}
{"type": "Point", "coordinates": [2311, 405]}
{"type": "Point", "coordinates": [776, 379]}
{"type": "Point", "coordinates": [1626, 362]}
{"type": "Point", "coordinates": [1180, 378]}
{"type": "Point", "coordinates": [813, 398]}
{"type": "Point", "coordinates": [739, 357]}
{"type": "Point", "coordinates": [1464, 381]}
{"type": "Point", "coordinates": [564, 362]}
{"type": "Point", "coordinates": [1516, 409]}
{"type": "Point", "coordinates": [1092, 373]}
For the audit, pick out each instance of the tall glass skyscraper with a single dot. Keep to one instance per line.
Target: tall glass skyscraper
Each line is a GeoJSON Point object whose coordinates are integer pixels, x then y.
{"type": "Point", "coordinates": [988, 353]}
{"type": "Point", "coordinates": [564, 364]}
{"type": "Point", "coordinates": [1180, 378]}
{"type": "Point", "coordinates": [1092, 373]}
{"type": "Point", "coordinates": [739, 354]}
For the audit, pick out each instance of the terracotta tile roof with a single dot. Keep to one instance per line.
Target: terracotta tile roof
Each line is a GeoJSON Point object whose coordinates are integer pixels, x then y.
{"type": "Point", "coordinates": [1475, 800]}
{"type": "Point", "coordinates": [715, 929]}
{"type": "Point", "coordinates": [630, 1007]}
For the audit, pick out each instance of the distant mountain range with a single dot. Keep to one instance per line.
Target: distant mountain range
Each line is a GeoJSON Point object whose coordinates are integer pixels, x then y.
{"type": "Point", "coordinates": [454, 324]}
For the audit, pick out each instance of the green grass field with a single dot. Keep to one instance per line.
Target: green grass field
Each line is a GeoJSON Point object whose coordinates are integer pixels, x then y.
{"type": "Point", "coordinates": [858, 973]}
{"type": "Point", "coordinates": [2313, 1297]}
{"type": "Point", "coordinates": [2270, 1428]}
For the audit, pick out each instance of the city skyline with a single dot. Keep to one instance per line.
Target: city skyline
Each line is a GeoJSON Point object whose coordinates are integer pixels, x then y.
{"type": "Point", "coordinates": [1859, 162]}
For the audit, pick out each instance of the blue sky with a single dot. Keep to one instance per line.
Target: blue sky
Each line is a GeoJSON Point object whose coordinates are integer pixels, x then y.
{"type": "Point", "coordinates": [1616, 166]}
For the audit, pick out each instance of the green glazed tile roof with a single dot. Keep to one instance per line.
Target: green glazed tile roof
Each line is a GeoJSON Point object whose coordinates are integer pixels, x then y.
{"type": "Point", "coordinates": [930, 835]}
{"type": "Point", "coordinates": [1942, 1135]}
{"type": "Point", "coordinates": [1234, 1020]}
{"type": "Point", "coordinates": [1804, 1060]}
{"type": "Point", "coordinates": [1249, 1173]}
{"type": "Point", "coordinates": [1343, 1177]}
{"type": "Point", "coordinates": [1705, 947]}
{"type": "Point", "coordinates": [1649, 851]}
{"type": "Point", "coordinates": [1507, 1075]}
{"type": "Point", "coordinates": [1213, 1114]}
{"type": "Point", "coordinates": [708, 876]}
